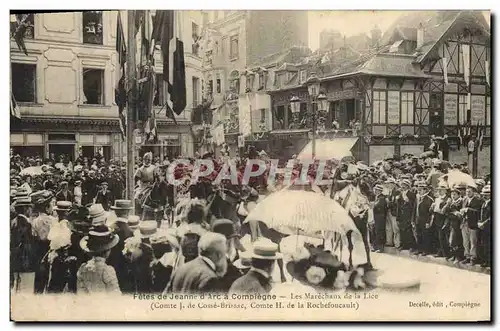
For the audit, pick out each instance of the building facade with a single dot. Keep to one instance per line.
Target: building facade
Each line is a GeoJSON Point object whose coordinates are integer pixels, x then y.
{"type": "Point", "coordinates": [236, 42]}
{"type": "Point", "coordinates": [393, 98]}
{"type": "Point", "coordinates": [65, 88]}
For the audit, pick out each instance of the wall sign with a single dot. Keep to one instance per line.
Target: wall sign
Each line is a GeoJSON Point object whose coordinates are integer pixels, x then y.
{"type": "Point", "coordinates": [450, 109]}
{"type": "Point", "coordinates": [477, 109]}
{"type": "Point", "coordinates": [393, 114]}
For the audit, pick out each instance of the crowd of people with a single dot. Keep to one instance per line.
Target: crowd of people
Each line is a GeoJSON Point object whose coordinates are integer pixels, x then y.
{"type": "Point", "coordinates": [72, 229]}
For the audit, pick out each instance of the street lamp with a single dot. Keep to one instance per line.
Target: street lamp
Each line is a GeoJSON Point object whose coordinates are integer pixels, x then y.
{"type": "Point", "coordinates": [313, 85]}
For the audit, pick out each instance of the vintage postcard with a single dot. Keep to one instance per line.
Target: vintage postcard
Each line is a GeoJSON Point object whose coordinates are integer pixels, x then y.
{"type": "Point", "coordinates": [245, 165]}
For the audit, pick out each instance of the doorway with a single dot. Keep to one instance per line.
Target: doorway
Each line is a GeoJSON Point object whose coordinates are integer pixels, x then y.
{"type": "Point", "coordinates": [68, 150]}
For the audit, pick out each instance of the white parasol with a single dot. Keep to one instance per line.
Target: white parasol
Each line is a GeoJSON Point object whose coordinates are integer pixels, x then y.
{"type": "Point", "coordinates": [455, 177]}
{"type": "Point", "coordinates": [33, 171]}
{"type": "Point", "coordinates": [302, 210]}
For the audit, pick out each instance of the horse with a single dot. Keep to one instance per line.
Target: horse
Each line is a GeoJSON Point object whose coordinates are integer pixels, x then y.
{"type": "Point", "coordinates": [356, 200]}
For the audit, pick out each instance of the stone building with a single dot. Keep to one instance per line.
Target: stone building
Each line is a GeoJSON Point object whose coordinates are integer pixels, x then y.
{"type": "Point", "coordinates": [233, 42]}
{"type": "Point", "coordinates": [65, 88]}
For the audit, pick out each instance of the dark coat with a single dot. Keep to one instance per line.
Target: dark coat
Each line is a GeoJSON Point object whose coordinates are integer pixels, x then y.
{"type": "Point", "coordinates": [119, 262]}
{"type": "Point", "coordinates": [440, 219]}
{"type": "Point", "coordinates": [473, 212]}
{"type": "Point", "coordinates": [60, 196]}
{"type": "Point", "coordinates": [232, 274]}
{"type": "Point", "coordinates": [252, 282]}
{"type": "Point", "coordinates": [106, 199]}
{"type": "Point", "coordinates": [486, 213]}
{"type": "Point", "coordinates": [195, 276]}
{"type": "Point", "coordinates": [423, 213]}
{"type": "Point", "coordinates": [160, 276]}
{"type": "Point", "coordinates": [380, 210]}
{"type": "Point", "coordinates": [406, 210]}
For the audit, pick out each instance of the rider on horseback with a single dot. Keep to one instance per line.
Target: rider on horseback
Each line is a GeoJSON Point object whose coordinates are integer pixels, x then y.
{"type": "Point", "coordinates": [145, 175]}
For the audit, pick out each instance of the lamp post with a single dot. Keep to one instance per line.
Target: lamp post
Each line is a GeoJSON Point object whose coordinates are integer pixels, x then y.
{"type": "Point", "coordinates": [313, 85]}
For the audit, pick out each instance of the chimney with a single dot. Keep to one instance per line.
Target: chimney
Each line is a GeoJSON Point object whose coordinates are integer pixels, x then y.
{"type": "Point", "coordinates": [420, 36]}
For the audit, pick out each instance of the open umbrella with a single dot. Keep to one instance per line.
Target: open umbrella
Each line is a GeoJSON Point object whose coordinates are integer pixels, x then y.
{"type": "Point", "coordinates": [33, 171]}
{"type": "Point", "coordinates": [302, 210]}
{"type": "Point", "coordinates": [455, 177]}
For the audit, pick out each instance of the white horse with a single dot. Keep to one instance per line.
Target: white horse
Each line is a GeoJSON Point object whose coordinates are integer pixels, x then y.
{"type": "Point", "coordinates": [358, 206]}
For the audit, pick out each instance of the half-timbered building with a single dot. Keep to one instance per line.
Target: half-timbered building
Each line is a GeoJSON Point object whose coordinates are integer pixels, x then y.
{"type": "Point", "coordinates": [428, 76]}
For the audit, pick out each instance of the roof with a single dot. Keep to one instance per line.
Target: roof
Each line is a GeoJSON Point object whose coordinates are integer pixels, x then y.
{"type": "Point", "coordinates": [392, 65]}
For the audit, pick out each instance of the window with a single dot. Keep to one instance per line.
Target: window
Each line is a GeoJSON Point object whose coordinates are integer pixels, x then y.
{"type": "Point", "coordinates": [93, 86]}
{"type": "Point", "coordinates": [262, 80]}
{"type": "Point", "coordinates": [462, 108]}
{"type": "Point", "coordinates": [263, 115]}
{"type": "Point", "coordinates": [196, 37]}
{"type": "Point", "coordinates": [488, 110]}
{"type": "Point", "coordinates": [196, 93]}
{"type": "Point", "coordinates": [379, 107]}
{"type": "Point", "coordinates": [23, 82]}
{"type": "Point", "coordinates": [407, 108]}
{"type": "Point", "coordinates": [92, 27]}
{"type": "Point", "coordinates": [234, 82]}
{"type": "Point", "coordinates": [218, 85]}
{"type": "Point", "coordinates": [159, 97]}
{"type": "Point", "coordinates": [249, 82]}
{"type": "Point", "coordinates": [210, 87]}
{"type": "Point", "coordinates": [303, 76]}
{"type": "Point", "coordinates": [233, 47]}
{"type": "Point", "coordinates": [29, 21]}
{"type": "Point", "coordinates": [436, 101]}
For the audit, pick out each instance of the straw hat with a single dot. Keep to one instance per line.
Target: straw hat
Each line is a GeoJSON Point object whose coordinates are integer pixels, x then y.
{"type": "Point", "coordinates": [100, 239]}
{"type": "Point", "coordinates": [63, 205]}
{"type": "Point", "coordinates": [122, 205]}
{"type": "Point", "coordinates": [265, 249]}
{"type": "Point", "coordinates": [147, 229]}
{"type": "Point", "coordinates": [97, 214]}
{"type": "Point", "coordinates": [486, 189]}
{"type": "Point", "coordinates": [133, 222]}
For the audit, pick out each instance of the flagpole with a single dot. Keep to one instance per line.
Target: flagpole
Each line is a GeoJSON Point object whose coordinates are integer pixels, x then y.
{"type": "Point", "coordinates": [131, 104]}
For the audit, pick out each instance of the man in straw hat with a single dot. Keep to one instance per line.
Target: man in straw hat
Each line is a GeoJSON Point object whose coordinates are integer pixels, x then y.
{"type": "Point", "coordinates": [21, 241]}
{"type": "Point", "coordinates": [95, 276]}
{"type": "Point", "coordinates": [380, 210]}
{"type": "Point", "coordinates": [485, 226]}
{"type": "Point", "coordinates": [204, 272]}
{"type": "Point", "coordinates": [422, 225]}
{"type": "Point", "coordinates": [471, 212]}
{"type": "Point", "coordinates": [406, 210]}
{"type": "Point", "coordinates": [258, 278]}
{"type": "Point", "coordinates": [440, 220]}
{"type": "Point", "coordinates": [97, 214]}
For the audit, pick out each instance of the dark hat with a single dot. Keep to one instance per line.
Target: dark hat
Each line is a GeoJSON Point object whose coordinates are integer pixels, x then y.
{"type": "Point", "coordinates": [63, 205]}
{"type": "Point", "coordinates": [41, 197]}
{"type": "Point", "coordinates": [122, 205]}
{"type": "Point", "coordinates": [225, 227]}
{"type": "Point", "coordinates": [99, 239]}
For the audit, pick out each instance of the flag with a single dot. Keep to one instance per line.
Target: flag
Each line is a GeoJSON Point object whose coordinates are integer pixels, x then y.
{"type": "Point", "coordinates": [14, 109]}
{"type": "Point", "coordinates": [460, 137]}
{"type": "Point", "coordinates": [481, 136]}
{"type": "Point", "coordinates": [174, 71]}
{"type": "Point", "coordinates": [466, 58]}
{"type": "Point", "coordinates": [20, 31]}
{"type": "Point", "coordinates": [120, 90]}
{"type": "Point", "coordinates": [445, 70]}
{"type": "Point", "coordinates": [148, 90]}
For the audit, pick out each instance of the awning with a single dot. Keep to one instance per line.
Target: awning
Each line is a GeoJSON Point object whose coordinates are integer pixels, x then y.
{"type": "Point", "coordinates": [326, 149]}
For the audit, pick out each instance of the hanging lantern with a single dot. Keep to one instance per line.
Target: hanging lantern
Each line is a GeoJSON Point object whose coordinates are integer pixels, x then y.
{"type": "Point", "coordinates": [295, 104]}
{"type": "Point", "coordinates": [322, 102]}
{"type": "Point", "coordinates": [313, 85]}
